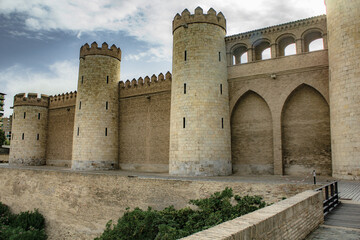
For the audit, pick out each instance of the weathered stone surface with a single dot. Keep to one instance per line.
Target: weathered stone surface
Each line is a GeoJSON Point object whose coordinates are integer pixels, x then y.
{"type": "Point", "coordinates": [293, 218]}
{"type": "Point", "coordinates": [344, 84]}
{"type": "Point", "coordinates": [78, 205]}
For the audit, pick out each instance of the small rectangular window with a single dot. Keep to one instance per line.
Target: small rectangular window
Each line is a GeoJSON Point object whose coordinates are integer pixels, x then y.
{"type": "Point", "coordinates": [37, 137]}
{"type": "Point", "coordinates": [23, 136]}
{"type": "Point", "coordinates": [82, 79]}
{"type": "Point", "coordinates": [219, 57]}
{"type": "Point", "coordinates": [185, 57]}
{"type": "Point", "coordinates": [80, 105]}
{"type": "Point", "coordinates": [12, 136]}
{"type": "Point", "coordinates": [38, 115]}
{"type": "Point", "coordinates": [78, 131]}
{"type": "Point", "coordinates": [184, 88]}
{"type": "Point", "coordinates": [14, 115]}
{"type": "Point", "coordinates": [221, 89]}
{"type": "Point", "coordinates": [107, 79]}
{"type": "Point", "coordinates": [183, 122]}
{"type": "Point", "coordinates": [107, 105]}
{"type": "Point", "coordinates": [105, 131]}
{"type": "Point", "coordinates": [222, 122]}
{"type": "Point", "coordinates": [24, 115]}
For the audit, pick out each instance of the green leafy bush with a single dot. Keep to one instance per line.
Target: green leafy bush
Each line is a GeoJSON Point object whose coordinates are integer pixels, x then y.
{"type": "Point", "coordinates": [18, 233]}
{"type": "Point", "coordinates": [27, 219]}
{"type": "Point", "coordinates": [23, 226]}
{"type": "Point", "coordinates": [170, 223]}
{"type": "Point", "coordinates": [6, 217]}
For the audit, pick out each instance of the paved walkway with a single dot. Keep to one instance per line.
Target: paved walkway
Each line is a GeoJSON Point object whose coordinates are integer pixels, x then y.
{"type": "Point", "coordinates": [349, 190]}
{"type": "Point", "coordinates": [343, 223]}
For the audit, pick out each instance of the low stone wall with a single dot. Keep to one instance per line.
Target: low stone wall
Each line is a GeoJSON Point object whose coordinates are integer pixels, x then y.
{"type": "Point", "coordinates": [77, 205]}
{"type": "Point", "coordinates": [4, 154]}
{"type": "Point", "coordinates": [4, 158]}
{"type": "Point", "coordinates": [293, 218]}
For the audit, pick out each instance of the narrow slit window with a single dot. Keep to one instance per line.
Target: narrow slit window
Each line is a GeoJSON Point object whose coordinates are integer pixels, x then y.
{"type": "Point", "coordinates": [14, 115]}
{"type": "Point", "coordinates": [107, 105]}
{"type": "Point", "coordinates": [24, 115]}
{"type": "Point", "coordinates": [184, 88]}
{"type": "Point", "coordinates": [185, 56]}
{"type": "Point", "coordinates": [82, 79]}
{"type": "Point", "coordinates": [23, 136]}
{"type": "Point", "coordinates": [221, 89]}
{"type": "Point", "coordinates": [107, 79]}
{"type": "Point", "coordinates": [80, 105]}
{"type": "Point", "coordinates": [222, 122]}
{"type": "Point", "coordinates": [37, 137]}
{"type": "Point", "coordinates": [105, 132]}
{"type": "Point", "coordinates": [183, 122]}
{"type": "Point", "coordinates": [12, 136]}
{"type": "Point", "coordinates": [78, 131]}
{"type": "Point", "coordinates": [38, 115]}
{"type": "Point", "coordinates": [219, 56]}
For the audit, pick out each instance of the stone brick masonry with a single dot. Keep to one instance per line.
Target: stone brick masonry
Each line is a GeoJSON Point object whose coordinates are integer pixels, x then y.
{"type": "Point", "coordinates": [217, 114]}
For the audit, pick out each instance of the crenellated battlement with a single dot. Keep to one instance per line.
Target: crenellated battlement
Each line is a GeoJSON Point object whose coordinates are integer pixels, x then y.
{"type": "Point", "coordinates": [31, 99]}
{"type": "Point", "coordinates": [113, 51]}
{"type": "Point", "coordinates": [63, 100]}
{"type": "Point", "coordinates": [145, 85]}
{"type": "Point", "coordinates": [199, 17]}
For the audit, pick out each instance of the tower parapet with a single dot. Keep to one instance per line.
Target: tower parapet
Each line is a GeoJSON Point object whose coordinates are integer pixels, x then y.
{"type": "Point", "coordinates": [113, 51]}
{"type": "Point", "coordinates": [96, 112]}
{"type": "Point", "coordinates": [29, 129]}
{"type": "Point", "coordinates": [199, 17]}
{"type": "Point", "coordinates": [199, 118]}
{"type": "Point", "coordinates": [31, 99]}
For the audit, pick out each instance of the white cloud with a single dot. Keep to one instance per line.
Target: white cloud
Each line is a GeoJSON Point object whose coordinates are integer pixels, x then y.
{"type": "Point", "coordinates": [150, 21]}
{"type": "Point", "coordinates": [61, 77]}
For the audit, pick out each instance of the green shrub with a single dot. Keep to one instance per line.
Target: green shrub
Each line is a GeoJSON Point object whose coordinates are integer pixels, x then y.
{"type": "Point", "coordinates": [23, 226]}
{"type": "Point", "coordinates": [18, 233]}
{"type": "Point", "coordinates": [27, 219]}
{"type": "Point", "coordinates": [6, 217]}
{"type": "Point", "coordinates": [170, 223]}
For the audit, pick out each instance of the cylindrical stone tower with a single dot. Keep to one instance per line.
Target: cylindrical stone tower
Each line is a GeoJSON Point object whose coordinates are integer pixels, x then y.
{"type": "Point", "coordinates": [199, 121]}
{"type": "Point", "coordinates": [95, 141]}
{"type": "Point", "coordinates": [343, 25]}
{"type": "Point", "coordinates": [29, 130]}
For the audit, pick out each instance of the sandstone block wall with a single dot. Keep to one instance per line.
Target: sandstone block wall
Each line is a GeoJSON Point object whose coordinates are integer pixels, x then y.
{"type": "Point", "coordinates": [96, 136]}
{"type": "Point", "coordinates": [60, 136]}
{"type": "Point", "coordinates": [280, 124]}
{"type": "Point", "coordinates": [199, 120]}
{"type": "Point", "coordinates": [293, 218]}
{"type": "Point", "coordinates": [30, 116]}
{"type": "Point", "coordinates": [343, 19]}
{"type": "Point", "coordinates": [144, 124]}
{"type": "Point", "coordinates": [78, 205]}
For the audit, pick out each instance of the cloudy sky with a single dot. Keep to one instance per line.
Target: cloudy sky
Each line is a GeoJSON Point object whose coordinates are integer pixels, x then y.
{"type": "Point", "coordinates": [40, 39]}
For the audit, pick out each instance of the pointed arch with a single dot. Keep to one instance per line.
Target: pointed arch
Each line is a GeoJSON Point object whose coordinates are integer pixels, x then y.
{"type": "Point", "coordinates": [305, 125]}
{"type": "Point", "coordinates": [252, 135]}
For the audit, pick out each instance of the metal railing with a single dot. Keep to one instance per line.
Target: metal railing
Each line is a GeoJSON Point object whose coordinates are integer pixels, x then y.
{"type": "Point", "coordinates": [331, 196]}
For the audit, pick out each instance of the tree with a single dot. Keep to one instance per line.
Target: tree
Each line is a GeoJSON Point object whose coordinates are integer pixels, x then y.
{"type": "Point", "coordinates": [2, 137]}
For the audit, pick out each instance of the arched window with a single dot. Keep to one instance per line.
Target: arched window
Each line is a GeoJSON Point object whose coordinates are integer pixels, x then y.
{"type": "Point", "coordinates": [262, 50]}
{"type": "Point", "coordinates": [286, 46]}
{"type": "Point", "coordinates": [240, 55]}
{"type": "Point", "coordinates": [317, 44]}
{"type": "Point", "coordinates": [313, 40]}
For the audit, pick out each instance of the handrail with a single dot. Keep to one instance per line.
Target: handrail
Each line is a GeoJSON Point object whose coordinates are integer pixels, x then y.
{"type": "Point", "coordinates": [332, 200]}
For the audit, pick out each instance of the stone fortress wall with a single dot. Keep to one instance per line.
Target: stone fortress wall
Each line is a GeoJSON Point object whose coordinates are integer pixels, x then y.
{"type": "Point", "coordinates": [277, 109]}
{"type": "Point", "coordinates": [280, 106]}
